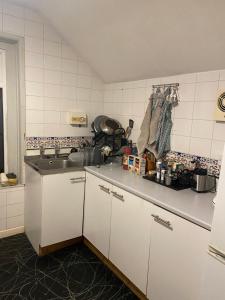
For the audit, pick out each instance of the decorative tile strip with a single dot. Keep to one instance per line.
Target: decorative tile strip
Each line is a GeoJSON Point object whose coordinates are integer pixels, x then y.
{"type": "Point", "coordinates": [213, 165]}
{"type": "Point", "coordinates": [33, 143]}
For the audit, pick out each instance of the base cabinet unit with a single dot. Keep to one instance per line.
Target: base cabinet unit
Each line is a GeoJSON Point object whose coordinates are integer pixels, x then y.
{"type": "Point", "coordinates": [177, 253]}
{"type": "Point", "coordinates": [97, 213]}
{"type": "Point", "coordinates": [130, 236]}
{"type": "Point", "coordinates": [53, 207]}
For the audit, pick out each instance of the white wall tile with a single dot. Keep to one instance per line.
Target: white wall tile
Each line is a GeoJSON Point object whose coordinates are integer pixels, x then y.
{"type": "Point", "coordinates": [201, 147]}
{"type": "Point", "coordinates": [34, 103]}
{"type": "Point", "coordinates": [34, 116]}
{"type": "Point", "coordinates": [217, 149]}
{"type": "Point", "coordinates": [208, 76]}
{"type": "Point", "coordinates": [69, 79]}
{"type": "Point", "coordinates": [52, 90]}
{"type": "Point", "coordinates": [84, 81]}
{"type": "Point", "coordinates": [52, 104]}
{"type": "Point", "coordinates": [219, 131]}
{"type": "Point", "coordinates": [34, 29]}
{"type": "Point", "coordinates": [182, 127]}
{"type": "Point", "coordinates": [34, 74]}
{"type": "Point", "coordinates": [202, 129]}
{"type": "Point", "coordinates": [184, 110]}
{"type": "Point", "coordinates": [51, 117]}
{"type": "Point", "coordinates": [33, 59]}
{"type": "Point", "coordinates": [204, 110]}
{"type": "Point", "coordinates": [51, 76]}
{"type": "Point", "coordinates": [13, 25]}
{"type": "Point", "coordinates": [187, 92]}
{"type": "Point", "coordinates": [34, 130]}
{"type": "Point", "coordinates": [69, 92]}
{"type": "Point", "coordinates": [52, 62]}
{"type": "Point", "coordinates": [206, 91]}
{"type": "Point", "coordinates": [34, 88]}
{"type": "Point", "coordinates": [52, 48]}
{"type": "Point", "coordinates": [69, 66]}
{"type": "Point", "coordinates": [83, 94]}
{"type": "Point", "coordinates": [34, 44]}
{"type": "Point", "coordinates": [180, 143]}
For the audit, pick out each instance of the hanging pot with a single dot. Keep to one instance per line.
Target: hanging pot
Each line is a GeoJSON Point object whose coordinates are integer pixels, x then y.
{"type": "Point", "coordinates": [110, 126]}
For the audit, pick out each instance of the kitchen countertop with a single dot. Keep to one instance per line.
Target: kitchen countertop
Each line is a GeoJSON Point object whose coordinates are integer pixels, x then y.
{"type": "Point", "coordinates": [195, 207]}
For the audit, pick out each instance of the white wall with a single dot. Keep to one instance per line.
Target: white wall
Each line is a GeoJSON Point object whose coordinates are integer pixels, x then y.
{"type": "Point", "coordinates": [194, 130]}
{"type": "Point", "coordinates": [57, 79]}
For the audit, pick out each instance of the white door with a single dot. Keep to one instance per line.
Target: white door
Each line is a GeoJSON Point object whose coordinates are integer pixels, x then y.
{"type": "Point", "coordinates": [97, 213]}
{"type": "Point", "coordinates": [177, 255]}
{"type": "Point", "coordinates": [130, 236]}
{"type": "Point", "coordinates": [62, 207]}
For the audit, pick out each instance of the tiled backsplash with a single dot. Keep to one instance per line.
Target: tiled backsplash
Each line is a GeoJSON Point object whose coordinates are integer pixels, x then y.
{"type": "Point", "coordinates": [194, 129]}
{"type": "Point", "coordinates": [33, 143]}
{"type": "Point", "coordinates": [212, 165]}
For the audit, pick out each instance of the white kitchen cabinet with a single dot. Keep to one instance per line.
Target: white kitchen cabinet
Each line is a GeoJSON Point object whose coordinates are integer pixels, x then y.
{"type": "Point", "coordinates": [53, 207]}
{"type": "Point", "coordinates": [130, 236]}
{"type": "Point", "coordinates": [97, 213]}
{"type": "Point", "coordinates": [62, 207]}
{"type": "Point", "coordinates": [177, 254]}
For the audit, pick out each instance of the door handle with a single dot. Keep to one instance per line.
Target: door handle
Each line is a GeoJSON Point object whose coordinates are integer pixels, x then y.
{"type": "Point", "coordinates": [104, 189]}
{"type": "Point", "coordinates": [163, 222]}
{"type": "Point", "coordinates": [77, 179]}
{"type": "Point", "coordinates": [118, 196]}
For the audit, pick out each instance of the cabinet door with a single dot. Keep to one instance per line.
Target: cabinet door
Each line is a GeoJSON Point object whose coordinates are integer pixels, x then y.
{"type": "Point", "coordinates": [62, 207]}
{"type": "Point", "coordinates": [130, 236]}
{"type": "Point", "coordinates": [177, 254]}
{"type": "Point", "coordinates": [97, 213]}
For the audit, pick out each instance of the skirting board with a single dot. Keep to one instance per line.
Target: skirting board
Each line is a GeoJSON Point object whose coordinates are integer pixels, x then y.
{"type": "Point", "coordinates": [10, 232]}
{"type": "Point", "coordinates": [54, 247]}
{"type": "Point", "coordinates": [115, 270]}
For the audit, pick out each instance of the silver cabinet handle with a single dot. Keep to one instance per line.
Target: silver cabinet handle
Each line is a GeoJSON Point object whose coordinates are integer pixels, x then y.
{"type": "Point", "coordinates": [104, 189]}
{"type": "Point", "coordinates": [77, 179]}
{"type": "Point", "coordinates": [163, 222]}
{"type": "Point", "coordinates": [118, 196]}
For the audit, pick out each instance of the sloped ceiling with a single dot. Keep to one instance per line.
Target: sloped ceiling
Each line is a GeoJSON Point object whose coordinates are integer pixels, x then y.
{"type": "Point", "coordinates": [136, 39]}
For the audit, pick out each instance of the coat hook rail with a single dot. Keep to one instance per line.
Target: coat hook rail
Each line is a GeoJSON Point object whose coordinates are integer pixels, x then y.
{"type": "Point", "coordinates": [165, 85]}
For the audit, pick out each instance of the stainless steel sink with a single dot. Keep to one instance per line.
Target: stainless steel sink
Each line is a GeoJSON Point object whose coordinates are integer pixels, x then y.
{"type": "Point", "coordinates": [55, 163]}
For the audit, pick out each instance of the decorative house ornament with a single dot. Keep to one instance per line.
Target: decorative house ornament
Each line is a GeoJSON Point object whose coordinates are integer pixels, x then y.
{"type": "Point", "coordinates": [220, 107]}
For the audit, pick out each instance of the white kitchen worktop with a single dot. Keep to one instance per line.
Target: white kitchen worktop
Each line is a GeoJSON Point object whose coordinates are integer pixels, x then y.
{"type": "Point", "coordinates": [195, 207]}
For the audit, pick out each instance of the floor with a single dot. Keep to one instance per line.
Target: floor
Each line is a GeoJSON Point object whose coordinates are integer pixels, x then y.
{"type": "Point", "coordinates": [72, 273]}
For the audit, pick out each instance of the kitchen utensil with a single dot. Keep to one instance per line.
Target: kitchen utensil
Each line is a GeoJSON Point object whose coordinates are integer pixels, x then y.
{"type": "Point", "coordinates": [110, 126]}
{"type": "Point", "coordinates": [96, 123]}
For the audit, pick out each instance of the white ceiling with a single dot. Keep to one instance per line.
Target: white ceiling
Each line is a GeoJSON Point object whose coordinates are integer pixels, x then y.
{"type": "Point", "coordinates": [136, 39]}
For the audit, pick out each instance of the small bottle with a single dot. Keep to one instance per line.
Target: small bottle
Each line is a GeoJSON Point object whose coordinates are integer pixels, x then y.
{"type": "Point", "coordinates": [158, 170]}
{"type": "Point", "coordinates": [163, 172]}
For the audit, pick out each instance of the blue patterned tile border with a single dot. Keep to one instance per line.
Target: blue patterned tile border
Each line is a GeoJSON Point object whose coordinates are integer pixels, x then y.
{"type": "Point", "coordinates": [33, 143]}
{"type": "Point", "coordinates": [213, 165]}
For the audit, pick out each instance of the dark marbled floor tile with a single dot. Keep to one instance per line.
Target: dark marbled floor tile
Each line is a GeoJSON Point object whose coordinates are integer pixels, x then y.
{"type": "Point", "coordinates": [71, 273]}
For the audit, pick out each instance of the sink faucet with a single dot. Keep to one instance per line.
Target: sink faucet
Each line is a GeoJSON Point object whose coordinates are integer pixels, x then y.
{"type": "Point", "coordinates": [57, 150]}
{"type": "Point", "coordinates": [42, 151]}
